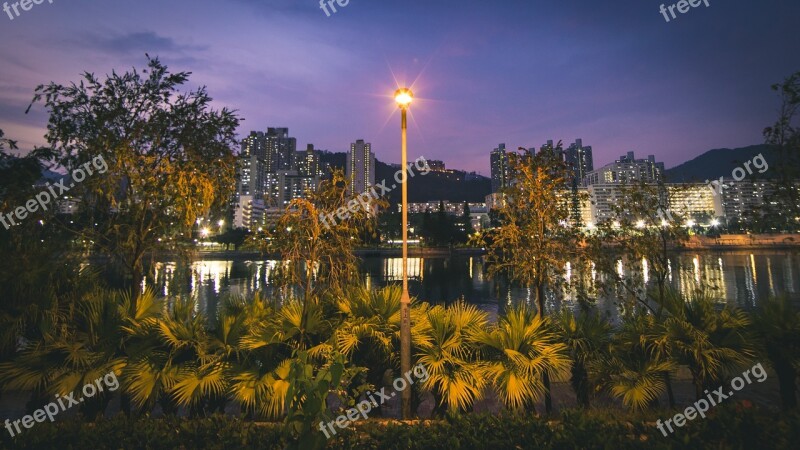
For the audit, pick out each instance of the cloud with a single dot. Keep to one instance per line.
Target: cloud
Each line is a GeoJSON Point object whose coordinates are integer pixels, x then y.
{"type": "Point", "coordinates": [141, 42]}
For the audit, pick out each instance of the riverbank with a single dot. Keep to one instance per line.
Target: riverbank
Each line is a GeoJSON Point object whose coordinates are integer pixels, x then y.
{"type": "Point", "coordinates": [724, 242]}
{"type": "Point", "coordinates": [414, 252]}
{"type": "Point", "coordinates": [744, 242]}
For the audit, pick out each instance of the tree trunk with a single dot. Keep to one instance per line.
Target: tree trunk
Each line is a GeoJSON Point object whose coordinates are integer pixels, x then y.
{"type": "Point", "coordinates": [787, 379]}
{"type": "Point", "coordinates": [580, 384]}
{"type": "Point", "coordinates": [548, 400]}
{"type": "Point", "coordinates": [670, 394]}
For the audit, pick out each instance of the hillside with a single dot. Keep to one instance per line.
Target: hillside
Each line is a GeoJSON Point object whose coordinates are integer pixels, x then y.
{"type": "Point", "coordinates": [431, 187]}
{"type": "Point", "coordinates": [718, 163]}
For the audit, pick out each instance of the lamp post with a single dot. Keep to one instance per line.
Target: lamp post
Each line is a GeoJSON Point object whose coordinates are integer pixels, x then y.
{"type": "Point", "coordinates": [403, 97]}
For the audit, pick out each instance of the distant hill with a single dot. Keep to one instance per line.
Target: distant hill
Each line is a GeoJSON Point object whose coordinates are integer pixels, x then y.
{"type": "Point", "coordinates": [720, 163]}
{"type": "Point", "coordinates": [431, 187]}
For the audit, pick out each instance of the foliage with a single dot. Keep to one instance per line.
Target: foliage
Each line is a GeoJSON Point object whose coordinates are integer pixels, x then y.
{"type": "Point", "coordinates": [634, 369]}
{"type": "Point", "coordinates": [31, 278]}
{"type": "Point", "coordinates": [306, 399]}
{"type": "Point", "coordinates": [517, 352]}
{"type": "Point", "coordinates": [729, 426]}
{"type": "Point", "coordinates": [536, 238]}
{"type": "Point", "coordinates": [776, 325]}
{"type": "Point", "coordinates": [588, 337]}
{"type": "Point", "coordinates": [446, 347]}
{"type": "Point", "coordinates": [781, 208]}
{"type": "Point", "coordinates": [369, 332]}
{"type": "Point", "coordinates": [713, 343]}
{"type": "Point", "coordinates": [150, 135]}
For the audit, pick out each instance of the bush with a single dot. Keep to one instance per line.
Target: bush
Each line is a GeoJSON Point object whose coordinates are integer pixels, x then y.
{"type": "Point", "coordinates": [728, 427]}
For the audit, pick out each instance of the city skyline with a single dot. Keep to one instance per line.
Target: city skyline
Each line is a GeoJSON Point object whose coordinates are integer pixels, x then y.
{"type": "Point", "coordinates": [517, 72]}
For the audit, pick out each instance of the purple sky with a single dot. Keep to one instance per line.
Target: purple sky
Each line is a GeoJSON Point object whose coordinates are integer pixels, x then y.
{"type": "Point", "coordinates": [521, 72]}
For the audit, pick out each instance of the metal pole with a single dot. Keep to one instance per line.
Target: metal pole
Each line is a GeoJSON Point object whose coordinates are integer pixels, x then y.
{"type": "Point", "coordinates": [405, 300]}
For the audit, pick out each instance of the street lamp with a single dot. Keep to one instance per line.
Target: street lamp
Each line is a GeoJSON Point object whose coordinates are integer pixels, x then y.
{"type": "Point", "coordinates": [404, 97]}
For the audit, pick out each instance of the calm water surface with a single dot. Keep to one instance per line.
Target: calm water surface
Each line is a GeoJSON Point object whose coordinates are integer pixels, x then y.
{"type": "Point", "coordinates": [743, 278]}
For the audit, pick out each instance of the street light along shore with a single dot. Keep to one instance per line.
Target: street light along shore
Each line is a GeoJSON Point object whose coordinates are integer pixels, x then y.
{"type": "Point", "coordinates": [404, 97]}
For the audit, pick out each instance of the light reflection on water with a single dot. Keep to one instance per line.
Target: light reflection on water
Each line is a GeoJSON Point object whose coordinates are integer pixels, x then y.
{"type": "Point", "coordinates": [742, 278]}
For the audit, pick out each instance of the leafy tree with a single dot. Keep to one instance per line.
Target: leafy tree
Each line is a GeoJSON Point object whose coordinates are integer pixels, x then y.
{"type": "Point", "coordinates": [169, 158]}
{"type": "Point", "coordinates": [319, 251]}
{"type": "Point", "coordinates": [782, 206]}
{"type": "Point", "coordinates": [645, 232]}
{"type": "Point", "coordinates": [31, 279]}
{"type": "Point", "coordinates": [535, 241]}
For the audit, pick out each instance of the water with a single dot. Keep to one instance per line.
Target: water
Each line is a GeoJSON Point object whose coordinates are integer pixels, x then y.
{"type": "Point", "coordinates": [742, 278]}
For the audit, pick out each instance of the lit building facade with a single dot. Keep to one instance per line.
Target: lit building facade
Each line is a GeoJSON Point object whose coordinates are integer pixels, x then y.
{"type": "Point", "coordinates": [500, 170]}
{"type": "Point", "coordinates": [360, 167]}
{"type": "Point", "coordinates": [627, 169]}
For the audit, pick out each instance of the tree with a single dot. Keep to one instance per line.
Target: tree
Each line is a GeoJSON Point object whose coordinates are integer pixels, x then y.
{"type": "Point", "coordinates": [31, 279]}
{"type": "Point", "coordinates": [782, 206]}
{"type": "Point", "coordinates": [777, 327]}
{"type": "Point", "coordinates": [320, 254]}
{"type": "Point", "coordinates": [169, 158]}
{"type": "Point", "coordinates": [634, 369]}
{"type": "Point", "coordinates": [535, 240]}
{"type": "Point", "coordinates": [464, 226]}
{"type": "Point", "coordinates": [645, 232]}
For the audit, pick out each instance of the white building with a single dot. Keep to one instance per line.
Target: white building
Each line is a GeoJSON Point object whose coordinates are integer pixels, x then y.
{"type": "Point", "coordinates": [248, 213]}
{"type": "Point", "coordinates": [627, 169]}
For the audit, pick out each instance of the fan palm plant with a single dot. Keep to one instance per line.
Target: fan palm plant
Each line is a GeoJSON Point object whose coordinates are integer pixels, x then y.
{"type": "Point", "coordinates": [518, 351]}
{"type": "Point", "coordinates": [633, 371]}
{"type": "Point", "coordinates": [88, 342]}
{"type": "Point", "coordinates": [587, 337]}
{"type": "Point", "coordinates": [369, 330]}
{"type": "Point", "coordinates": [713, 343]}
{"type": "Point", "coordinates": [164, 352]}
{"type": "Point", "coordinates": [261, 377]}
{"type": "Point", "coordinates": [445, 346]}
{"type": "Point", "coordinates": [777, 326]}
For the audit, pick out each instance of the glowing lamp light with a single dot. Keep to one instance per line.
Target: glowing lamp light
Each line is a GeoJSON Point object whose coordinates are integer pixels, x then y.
{"type": "Point", "coordinates": [715, 223]}
{"type": "Point", "coordinates": [205, 232]}
{"type": "Point", "coordinates": [403, 97]}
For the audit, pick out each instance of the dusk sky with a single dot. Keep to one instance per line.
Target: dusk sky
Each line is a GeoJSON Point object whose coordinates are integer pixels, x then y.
{"type": "Point", "coordinates": [521, 72]}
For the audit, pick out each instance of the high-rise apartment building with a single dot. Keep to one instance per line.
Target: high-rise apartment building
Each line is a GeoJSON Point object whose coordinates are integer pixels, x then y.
{"type": "Point", "coordinates": [360, 168]}
{"type": "Point", "coordinates": [255, 144]}
{"type": "Point", "coordinates": [308, 162]}
{"type": "Point", "coordinates": [579, 159]}
{"type": "Point", "coordinates": [627, 170]}
{"type": "Point", "coordinates": [251, 179]}
{"type": "Point", "coordinates": [500, 169]}
{"type": "Point", "coordinates": [279, 150]}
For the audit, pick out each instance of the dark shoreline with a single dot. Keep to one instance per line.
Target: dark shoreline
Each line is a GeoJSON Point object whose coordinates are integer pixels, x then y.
{"type": "Point", "coordinates": [726, 243]}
